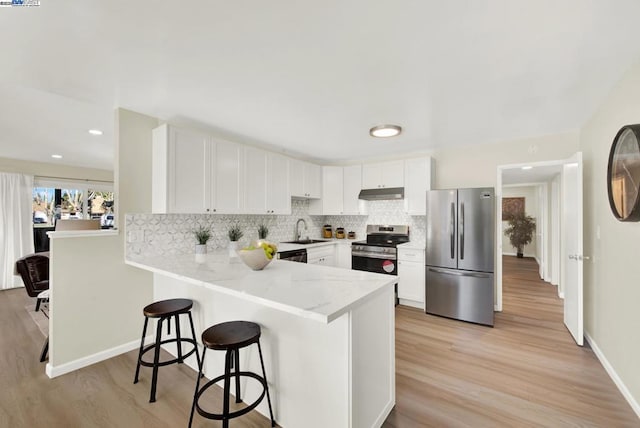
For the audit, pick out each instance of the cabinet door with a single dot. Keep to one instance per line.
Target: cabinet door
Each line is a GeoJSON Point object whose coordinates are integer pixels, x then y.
{"type": "Point", "coordinates": [313, 180]}
{"type": "Point", "coordinates": [255, 179]}
{"type": "Point", "coordinates": [278, 196]}
{"type": "Point", "coordinates": [226, 178]}
{"type": "Point", "coordinates": [392, 174]}
{"type": "Point", "coordinates": [188, 178]}
{"type": "Point", "coordinates": [417, 180]}
{"type": "Point", "coordinates": [352, 184]}
{"type": "Point", "coordinates": [296, 178]}
{"type": "Point", "coordinates": [411, 281]}
{"type": "Point", "coordinates": [343, 256]}
{"type": "Point", "coordinates": [371, 176]}
{"type": "Point", "coordinates": [332, 190]}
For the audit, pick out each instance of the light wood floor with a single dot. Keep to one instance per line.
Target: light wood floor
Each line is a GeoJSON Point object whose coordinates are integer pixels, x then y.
{"type": "Point", "coordinates": [525, 372]}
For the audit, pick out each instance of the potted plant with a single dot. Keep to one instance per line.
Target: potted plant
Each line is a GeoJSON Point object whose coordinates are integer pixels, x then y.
{"type": "Point", "coordinates": [520, 231]}
{"type": "Point", "coordinates": [235, 233]}
{"type": "Point", "coordinates": [263, 232]}
{"type": "Point", "coordinates": [202, 234]}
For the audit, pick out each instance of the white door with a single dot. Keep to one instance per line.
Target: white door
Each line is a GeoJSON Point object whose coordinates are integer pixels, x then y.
{"type": "Point", "coordinates": [188, 172]}
{"type": "Point", "coordinates": [572, 246]}
{"type": "Point", "coordinates": [278, 195]}
{"type": "Point", "coordinates": [255, 174]}
{"type": "Point", "coordinates": [226, 178]}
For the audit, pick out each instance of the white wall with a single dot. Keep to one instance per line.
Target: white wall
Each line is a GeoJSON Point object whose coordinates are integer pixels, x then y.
{"type": "Point", "coordinates": [530, 193]}
{"type": "Point", "coordinates": [611, 276]}
{"type": "Point", "coordinates": [98, 300]}
{"type": "Point", "coordinates": [54, 170]}
{"type": "Point", "coordinates": [476, 166]}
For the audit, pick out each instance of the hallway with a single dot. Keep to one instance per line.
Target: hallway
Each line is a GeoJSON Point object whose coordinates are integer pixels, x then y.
{"type": "Point", "coordinates": [525, 372]}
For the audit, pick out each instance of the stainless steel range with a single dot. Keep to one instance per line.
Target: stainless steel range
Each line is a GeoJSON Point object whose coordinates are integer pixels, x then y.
{"type": "Point", "coordinates": [379, 253]}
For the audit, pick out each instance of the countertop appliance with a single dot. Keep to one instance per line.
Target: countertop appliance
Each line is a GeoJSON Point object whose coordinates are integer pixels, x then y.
{"type": "Point", "coordinates": [460, 254]}
{"type": "Point", "coordinates": [299, 256]}
{"type": "Point", "coordinates": [379, 253]}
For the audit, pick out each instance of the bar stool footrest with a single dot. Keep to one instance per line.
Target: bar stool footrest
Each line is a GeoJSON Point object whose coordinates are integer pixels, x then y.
{"type": "Point", "coordinates": [164, 342]}
{"type": "Point", "coordinates": [237, 413]}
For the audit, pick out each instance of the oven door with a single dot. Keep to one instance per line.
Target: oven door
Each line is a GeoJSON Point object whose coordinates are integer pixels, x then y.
{"type": "Point", "coordinates": [378, 264]}
{"type": "Point", "coordinates": [385, 265]}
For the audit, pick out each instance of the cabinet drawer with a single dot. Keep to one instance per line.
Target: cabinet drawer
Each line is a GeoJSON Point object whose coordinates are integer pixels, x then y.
{"type": "Point", "coordinates": [410, 255]}
{"type": "Point", "coordinates": [322, 251]}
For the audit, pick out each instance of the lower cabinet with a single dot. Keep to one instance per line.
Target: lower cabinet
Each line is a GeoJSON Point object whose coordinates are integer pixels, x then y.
{"type": "Point", "coordinates": [411, 277]}
{"type": "Point", "coordinates": [343, 255]}
{"type": "Point", "coordinates": [323, 255]}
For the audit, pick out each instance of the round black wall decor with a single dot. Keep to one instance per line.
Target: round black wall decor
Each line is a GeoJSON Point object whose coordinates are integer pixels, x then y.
{"type": "Point", "coordinates": [623, 174]}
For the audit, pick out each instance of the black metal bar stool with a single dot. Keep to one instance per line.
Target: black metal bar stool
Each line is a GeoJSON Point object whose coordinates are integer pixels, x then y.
{"type": "Point", "coordinates": [231, 337]}
{"type": "Point", "coordinates": [164, 310]}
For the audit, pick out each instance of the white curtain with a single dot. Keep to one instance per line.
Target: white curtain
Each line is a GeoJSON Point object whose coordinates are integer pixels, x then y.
{"type": "Point", "coordinates": [16, 224]}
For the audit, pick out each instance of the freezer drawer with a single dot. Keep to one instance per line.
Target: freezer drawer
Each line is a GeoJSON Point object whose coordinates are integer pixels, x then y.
{"type": "Point", "coordinates": [462, 295]}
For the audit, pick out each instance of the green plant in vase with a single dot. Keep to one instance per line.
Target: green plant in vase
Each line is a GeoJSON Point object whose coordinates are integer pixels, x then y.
{"type": "Point", "coordinates": [520, 231]}
{"type": "Point", "coordinates": [235, 234]}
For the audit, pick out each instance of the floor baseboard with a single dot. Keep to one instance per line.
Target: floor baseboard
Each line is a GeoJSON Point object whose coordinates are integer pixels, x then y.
{"type": "Point", "coordinates": [55, 371]}
{"type": "Point", "coordinates": [613, 375]}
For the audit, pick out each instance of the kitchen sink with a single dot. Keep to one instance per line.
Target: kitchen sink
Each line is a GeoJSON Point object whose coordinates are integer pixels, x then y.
{"type": "Point", "coordinates": [305, 241]}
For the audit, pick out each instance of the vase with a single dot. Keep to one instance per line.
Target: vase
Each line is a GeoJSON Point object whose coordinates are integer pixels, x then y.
{"type": "Point", "coordinates": [233, 246]}
{"type": "Point", "coordinates": [201, 252]}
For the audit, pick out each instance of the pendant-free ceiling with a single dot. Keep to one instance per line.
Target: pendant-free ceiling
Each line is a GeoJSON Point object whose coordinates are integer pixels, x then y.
{"type": "Point", "coordinates": [385, 131]}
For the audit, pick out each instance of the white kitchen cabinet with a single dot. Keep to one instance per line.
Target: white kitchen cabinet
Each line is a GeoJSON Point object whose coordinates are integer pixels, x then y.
{"type": "Point", "coordinates": [383, 174]}
{"type": "Point", "coordinates": [343, 255]}
{"type": "Point", "coordinates": [340, 189]}
{"type": "Point", "coordinates": [193, 173]}
{"type": "Point", "coordinates": [411, 277]}
{"type": "Point", "coordinates": [324, 255]}
{"type": "Point", "coordinates": [305, 179]}
{"type": "Point", "coordinates": [266, 179]}
{"type": "Point", "coordinates": [352, 184]}
{"type": "Point", "coordinates": [227, 188]}
{"type": "Point", "coordinates": [418, 176]}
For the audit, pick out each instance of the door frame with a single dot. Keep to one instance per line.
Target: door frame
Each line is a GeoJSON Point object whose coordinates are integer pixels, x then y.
{"type": "Point", "coordinates": [498, 228]}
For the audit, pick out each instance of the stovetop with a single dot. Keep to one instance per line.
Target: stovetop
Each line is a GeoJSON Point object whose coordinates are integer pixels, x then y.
{"type": "Point", "coordinates": [381, 235]}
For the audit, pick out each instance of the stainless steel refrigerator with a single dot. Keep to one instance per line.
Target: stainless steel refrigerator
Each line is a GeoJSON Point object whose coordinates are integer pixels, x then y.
{"type": "Point", "coordinates": [460, 254]}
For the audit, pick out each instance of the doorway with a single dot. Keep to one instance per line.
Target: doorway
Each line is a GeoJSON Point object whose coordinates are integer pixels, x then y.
{"type": "Point", "coordinates": [554, 189]}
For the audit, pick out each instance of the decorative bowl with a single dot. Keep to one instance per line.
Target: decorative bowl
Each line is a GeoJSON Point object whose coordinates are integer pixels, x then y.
{"type": "Point", "coordinates": [255, 259]}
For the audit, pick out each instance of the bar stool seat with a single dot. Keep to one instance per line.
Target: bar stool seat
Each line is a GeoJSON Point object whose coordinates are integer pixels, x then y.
{"type": "Point", "coordinates": [164, 310]}
{"type": "Point", "coordinates": [231, 337]}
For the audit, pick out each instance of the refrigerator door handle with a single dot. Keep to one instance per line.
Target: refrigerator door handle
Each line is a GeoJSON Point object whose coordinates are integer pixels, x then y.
{"type": "Point", "coordinates": [460, 273]}
{"type": "Point", "coordinates": [462, 231]}
{"type": "Point", "coordinates": [452, 226]}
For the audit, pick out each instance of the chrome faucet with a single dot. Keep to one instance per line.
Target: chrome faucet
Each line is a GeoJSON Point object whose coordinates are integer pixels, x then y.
{"type": "Point", "coordinates": [298, 234]}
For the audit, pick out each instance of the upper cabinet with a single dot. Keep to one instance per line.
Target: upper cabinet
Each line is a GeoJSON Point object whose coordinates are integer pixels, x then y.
{"type": "Point", "coordinates": [266, 177]}
{"type": "Point", "coordinates": [418, 176]}
{"type": "Point", "coordinates": [383, 174]}
{"type": "Point", "coordinates": [340, 189]}
{"type": "Point", "coordinates": [226, 177]}
{"type": "Point", "coordinates": [180, 176]}
{"type": "Point", "coordinates": [305, 179]}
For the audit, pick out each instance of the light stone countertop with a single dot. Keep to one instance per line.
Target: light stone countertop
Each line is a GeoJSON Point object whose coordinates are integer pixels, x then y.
{"type": "Point", "coordinates": [413, 245]}
{"type": "Point", "coordinates": [321, 293]}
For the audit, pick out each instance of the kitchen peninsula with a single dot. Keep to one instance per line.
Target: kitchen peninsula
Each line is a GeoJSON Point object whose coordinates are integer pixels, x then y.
{"type": "Point", "coordinates": [328, 333]}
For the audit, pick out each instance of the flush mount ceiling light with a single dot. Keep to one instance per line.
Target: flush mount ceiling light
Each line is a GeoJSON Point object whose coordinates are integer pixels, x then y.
{"type": "Point", "coordinates": [95, 132]}
{"type": "Point", "coordinates": [385, 131]}
{"type": "Point", "coordinates": [527, 167]}
{"type": "Point", "coordinates": [56, 156]}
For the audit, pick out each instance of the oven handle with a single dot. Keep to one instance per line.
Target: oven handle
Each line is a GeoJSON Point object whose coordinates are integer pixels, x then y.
{"type": "Point", "coordinates": [373, 255]}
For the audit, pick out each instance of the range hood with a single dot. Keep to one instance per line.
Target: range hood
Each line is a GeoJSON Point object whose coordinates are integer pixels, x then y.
{"type": "Point", "coordinates": [382, 194]}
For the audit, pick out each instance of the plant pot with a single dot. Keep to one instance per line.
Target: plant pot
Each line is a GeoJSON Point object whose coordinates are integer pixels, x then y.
{"type": "Point", "coordinates": [201, 253]}
{"type": "Point", "coordinates": [233, 247]}
{"type": "Point", "coordinates": [519, 255]}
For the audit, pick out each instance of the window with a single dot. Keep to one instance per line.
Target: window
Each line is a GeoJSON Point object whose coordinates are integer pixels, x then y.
{"type": "Point", "coordinates": [66, 200]}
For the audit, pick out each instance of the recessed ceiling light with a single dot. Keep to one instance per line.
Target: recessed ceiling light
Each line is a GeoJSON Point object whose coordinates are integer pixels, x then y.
{"type": "Point", "coordinates": [527, 167]}
{"type": "Point", "coordinates": [56, 156]}
{"type": "Point", "coordinates": [385, 131]}
{"type": "Point", "coordinates": [95, 132]}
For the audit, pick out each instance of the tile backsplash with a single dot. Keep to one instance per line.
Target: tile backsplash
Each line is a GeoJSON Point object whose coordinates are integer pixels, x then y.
{"type": "Point", "coordinates": [173, 233]}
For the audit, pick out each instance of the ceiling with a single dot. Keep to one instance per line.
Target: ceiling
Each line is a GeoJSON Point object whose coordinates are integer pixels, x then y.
{"type": "Point", "coordinates": [309, 78]}
{"type": "Point", "coordinates": [535, 175]}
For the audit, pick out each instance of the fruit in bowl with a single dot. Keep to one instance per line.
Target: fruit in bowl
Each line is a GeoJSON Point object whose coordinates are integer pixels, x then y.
{"type": "Point", "coordinates": [258, 255]}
